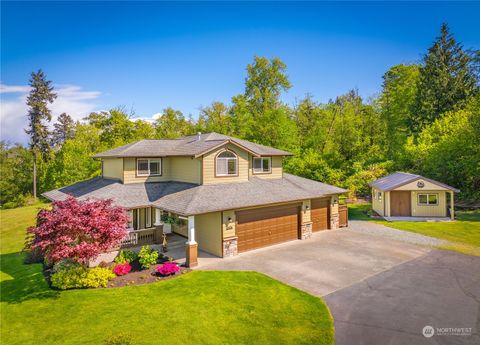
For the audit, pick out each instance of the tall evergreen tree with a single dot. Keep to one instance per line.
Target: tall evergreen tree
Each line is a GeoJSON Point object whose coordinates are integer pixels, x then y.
{"type": "Point", "coordinates": [447, 79]}
{"type": "Point", "coordinates": [41, 94]}
{"type": "Point", "coordinates": [64, 129]}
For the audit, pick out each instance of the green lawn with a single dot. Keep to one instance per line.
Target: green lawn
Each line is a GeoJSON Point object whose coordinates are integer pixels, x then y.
{"type": "Point", "coordinates": [464, 232]}
{"type": "Point", "coordinates": [197, 308]}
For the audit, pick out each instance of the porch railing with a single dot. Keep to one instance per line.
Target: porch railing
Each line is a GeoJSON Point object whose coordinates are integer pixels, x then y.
{"type": "Point", "coordinates": [142, 237]}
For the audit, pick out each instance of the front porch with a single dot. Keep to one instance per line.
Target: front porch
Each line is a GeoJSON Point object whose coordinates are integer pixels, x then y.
{"type": "Point", "coordinates": [175, 248]}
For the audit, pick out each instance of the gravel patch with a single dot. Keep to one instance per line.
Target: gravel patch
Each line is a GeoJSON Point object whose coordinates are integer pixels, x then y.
{"type": "Point", "coordinates": [395, 234]}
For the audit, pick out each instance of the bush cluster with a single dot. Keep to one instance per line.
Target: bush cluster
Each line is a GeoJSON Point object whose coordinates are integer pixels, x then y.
{"type": "Point", "coordinates": [147, 257]}
{"type": "Point", "coordinates": [125, 256]}
{"type": "Point", "coordinates": [68, 275]}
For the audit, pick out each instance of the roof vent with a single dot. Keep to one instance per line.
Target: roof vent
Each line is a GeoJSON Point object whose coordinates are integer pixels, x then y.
{"type": "Point", "coordinates": [199, 135]}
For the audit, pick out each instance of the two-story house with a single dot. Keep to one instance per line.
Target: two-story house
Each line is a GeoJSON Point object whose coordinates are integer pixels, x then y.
{"type": "Point", "coordinates": [227, 195]}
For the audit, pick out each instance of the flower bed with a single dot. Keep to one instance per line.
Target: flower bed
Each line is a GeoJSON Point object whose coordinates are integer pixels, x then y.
{"type": "Point", "coordinates": [147, 267]}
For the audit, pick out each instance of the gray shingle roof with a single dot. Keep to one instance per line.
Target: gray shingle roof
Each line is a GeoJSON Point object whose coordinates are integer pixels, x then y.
{"type": "Point", "coordinates": [399, 178]}
{"type": "Point", "coordinates": [194, 145]}
{"type": "Point", "coordinates": [189, 199]}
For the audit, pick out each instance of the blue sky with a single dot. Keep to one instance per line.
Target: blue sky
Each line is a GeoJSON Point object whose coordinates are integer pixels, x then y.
{"type": "Point", "coordinates": [150, 55]}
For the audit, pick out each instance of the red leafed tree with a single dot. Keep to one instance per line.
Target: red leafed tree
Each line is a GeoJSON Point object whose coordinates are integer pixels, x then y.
{"type": "Point", "coordinates": [78, 230]}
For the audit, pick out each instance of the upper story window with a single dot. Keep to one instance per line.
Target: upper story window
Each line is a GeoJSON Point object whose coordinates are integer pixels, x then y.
{"type": "Point", "coordinates": [149, 167]}
{"type": "Point", "coordinates": [226, 164]}
{"type": "Point", "coordinates": [262, 165]}
{"type": "Point", "coordinates": [427, 199]}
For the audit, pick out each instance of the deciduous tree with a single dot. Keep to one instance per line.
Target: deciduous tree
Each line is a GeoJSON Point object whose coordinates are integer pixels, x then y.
{"type": "Point", "coordinates": [78, 230]}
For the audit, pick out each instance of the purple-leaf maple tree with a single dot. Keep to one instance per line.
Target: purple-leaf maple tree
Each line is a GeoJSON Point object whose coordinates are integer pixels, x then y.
{"type": "Point", "coordinates": [78, 230]}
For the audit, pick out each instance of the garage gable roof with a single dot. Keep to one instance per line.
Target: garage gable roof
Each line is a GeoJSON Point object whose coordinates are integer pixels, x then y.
{"type": "Point", "coordinates": [398, 179]}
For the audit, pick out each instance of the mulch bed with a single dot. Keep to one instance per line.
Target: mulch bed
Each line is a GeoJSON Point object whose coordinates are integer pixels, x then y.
{"type": "Point", "coordinates": [139, 277]}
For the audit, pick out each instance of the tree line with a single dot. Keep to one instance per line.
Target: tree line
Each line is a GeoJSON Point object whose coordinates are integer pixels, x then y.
{"type": "Point", "coordinates": [425, 120]}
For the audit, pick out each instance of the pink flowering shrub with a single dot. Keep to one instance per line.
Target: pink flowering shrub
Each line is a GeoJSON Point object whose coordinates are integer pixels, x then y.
{"type": "Point", "coordinates": [122, 269]}
{"type": "Point", "coordinates": [168, 268]}
{"type": "Point", "coordinates": [78, 230]}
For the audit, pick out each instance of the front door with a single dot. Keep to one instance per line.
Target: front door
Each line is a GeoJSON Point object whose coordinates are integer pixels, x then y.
{"type": "Point", "coordinates": [400, 204]}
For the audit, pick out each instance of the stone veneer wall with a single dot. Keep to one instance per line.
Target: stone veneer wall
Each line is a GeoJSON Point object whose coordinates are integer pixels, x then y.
{"type": "Point", "coordinates": [306, 231]}
{"type": "Point", "coordinates": [230, 247]}
{"type": "Point", "coordinates": [334, 216]}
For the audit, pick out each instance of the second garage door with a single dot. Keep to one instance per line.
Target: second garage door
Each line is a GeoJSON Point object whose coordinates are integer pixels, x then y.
{"type": "Point", "coordinates": [320, 214]}
{"type": "Point", "coordinates": [265, 226]}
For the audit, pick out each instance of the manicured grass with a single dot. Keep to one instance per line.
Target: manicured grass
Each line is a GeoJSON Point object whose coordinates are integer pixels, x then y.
{"type": "Point", "coordinates": [198, 308]}
{"type": "Point", "coordinates": [464, 232]}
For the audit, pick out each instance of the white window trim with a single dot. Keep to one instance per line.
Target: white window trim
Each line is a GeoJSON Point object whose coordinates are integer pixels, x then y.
{"type": "Point", "coordinates": [159, 160]}
{"type": "Point", "coordinates": [226, 159]}
{"type": "Point", "coordinates": [428, 199]}
{"type": "Point", "coordinates": [261, 171]}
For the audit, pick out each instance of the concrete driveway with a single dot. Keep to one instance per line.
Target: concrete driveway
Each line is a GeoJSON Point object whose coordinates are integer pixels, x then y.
{"type": "Point", "coordinates": [440, 289]}
{"type": "Point", "coordinates": [380, 290]}
{"type": "Point", "coordinates": [329, 261]}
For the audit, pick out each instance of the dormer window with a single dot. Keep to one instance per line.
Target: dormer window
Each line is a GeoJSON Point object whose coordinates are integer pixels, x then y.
{"type": "Point", "coordinates": [262, 165]}
{"type": "Point", "coordinates": [149, 167]}
{"type": "Point", "coordinates": [226, 164]}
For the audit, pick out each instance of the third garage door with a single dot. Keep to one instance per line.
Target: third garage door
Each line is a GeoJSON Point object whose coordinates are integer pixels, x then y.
{"type": "Point", "coordinates": [320, 214]}
{"type": "Point", "coordinates": [265, 226]}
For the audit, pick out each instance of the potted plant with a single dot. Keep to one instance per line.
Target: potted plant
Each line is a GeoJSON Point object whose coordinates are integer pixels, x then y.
{"type": "Point", "coordinates": [168, 221]}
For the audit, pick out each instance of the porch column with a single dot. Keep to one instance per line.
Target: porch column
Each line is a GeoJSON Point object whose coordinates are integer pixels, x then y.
{"type": "Point", "coordinates": [130, 220]}
{"type": "Point", "coordinates": [452, 206]}
{"type": "Point", "coordinates": [158, 235]}
{"type": "Point", "coordinates": [158, 217]}
{"type": "Point", "coordinates": [191, 247]}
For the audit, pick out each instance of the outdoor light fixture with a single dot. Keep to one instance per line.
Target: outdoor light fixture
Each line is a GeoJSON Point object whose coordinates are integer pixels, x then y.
{"type": "Point", "coordinates": [307, 207]}
{"type": "Point", "coordinates": [229, 219]}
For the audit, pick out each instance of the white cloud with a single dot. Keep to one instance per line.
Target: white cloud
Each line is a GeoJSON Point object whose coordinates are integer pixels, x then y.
{"type": "Point", "coordinates": [71, 99]}
{"type": "Point", "coordinates": [148, 119]}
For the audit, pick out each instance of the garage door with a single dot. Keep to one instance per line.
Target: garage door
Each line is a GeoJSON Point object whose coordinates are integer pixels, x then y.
{"type": "Point", "coordinates": [320, 214]}
{"type": "Point", "coordinates": [265, 226]}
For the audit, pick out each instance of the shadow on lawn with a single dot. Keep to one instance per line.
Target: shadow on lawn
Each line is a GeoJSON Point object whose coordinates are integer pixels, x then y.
{"type": "Point", "coordinates": [25, 281]}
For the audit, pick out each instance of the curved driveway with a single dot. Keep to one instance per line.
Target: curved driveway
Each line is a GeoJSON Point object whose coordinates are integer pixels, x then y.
{"type": "Point", "coordinates": [380, 290]}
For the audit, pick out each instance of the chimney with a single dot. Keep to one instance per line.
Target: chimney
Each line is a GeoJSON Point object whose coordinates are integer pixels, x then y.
{"type": "Point", "coordinates": [199, 135]}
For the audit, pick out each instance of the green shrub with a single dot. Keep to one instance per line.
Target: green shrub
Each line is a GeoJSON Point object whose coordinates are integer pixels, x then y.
{"type": "Point", "coordinates": [97, 277]}
{"type": "Point", "coordinates": [147, 257]}
{"type": "Point", "coordinates": [125, 256]}
{"type": "Point", "coordinates": [120, 339]}
{"type": "Point", "coordinates": [73, 276]}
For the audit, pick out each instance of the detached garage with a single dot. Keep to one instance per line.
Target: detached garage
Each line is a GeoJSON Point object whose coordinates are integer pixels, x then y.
{"type": "Point", "coordinates": [402, 195]}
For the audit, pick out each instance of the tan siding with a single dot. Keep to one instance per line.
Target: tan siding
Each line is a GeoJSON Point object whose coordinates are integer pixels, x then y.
{"type": "Point", "coordinates": [334, 205]}
{"type": "Point", "coordinates": [113, 168]}
{"type": "Point", "coordinates": [439, 210]}
{"type": "Point", "coordinates": [209, 166]}
{"type": "Point", "coordinates": [130, 167]}
{"type": "Point", "coordinates": [306, 214]}
{"type": "Point", "coordinates": [185, 169]}
{"type": "Point", "coordinates": [277, 171]}
{"type": "Point", "coordinates": [208, 232]}
{"type": "Point", "coordinates": [377, 205]}
{"type": "Point", "coordinates": [413, 186]}
{"type": "Point", "coordinates": [228, 227]}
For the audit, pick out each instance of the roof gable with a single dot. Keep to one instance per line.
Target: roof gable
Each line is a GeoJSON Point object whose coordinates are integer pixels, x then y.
{"type": "Point", "coordinates": [193, 145]}
{"type": "Point", "coordinates": [398, 179]}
